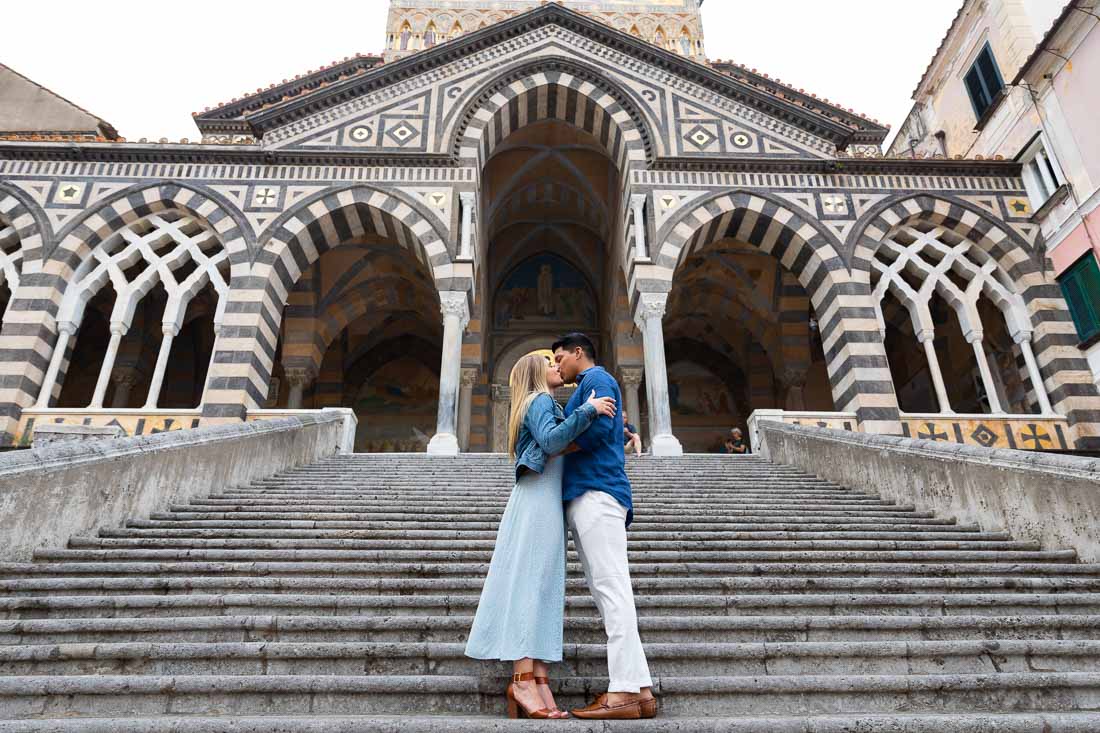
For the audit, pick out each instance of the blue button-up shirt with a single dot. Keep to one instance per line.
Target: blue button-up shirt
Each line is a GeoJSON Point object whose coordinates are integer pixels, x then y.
{"type": "Point", "coordinates": [601, 463]}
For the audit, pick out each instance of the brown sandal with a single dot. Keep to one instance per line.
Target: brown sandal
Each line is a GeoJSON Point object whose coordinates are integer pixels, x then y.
{"type": "Point", "coordinates": [561, 714]}
{"type": "Point", "coordinates": [515, 708]}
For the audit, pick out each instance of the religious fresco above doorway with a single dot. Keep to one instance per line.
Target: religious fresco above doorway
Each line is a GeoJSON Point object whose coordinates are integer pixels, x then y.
{"type": "Point", "coordinates": [703, 410]}
{"type": "Point", "coordinates": [545, 290]}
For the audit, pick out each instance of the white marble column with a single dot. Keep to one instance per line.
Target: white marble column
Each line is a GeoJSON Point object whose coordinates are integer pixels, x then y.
{"type": "Point", "coordinates": [456, 316]}
{"type": "Point", "coordinates": [651, 311]}
{"type": "Point", "coordinates": [465, 406]}
{"type": "Point", "coordinates": [1023, 340]}
{"type": "Point", "coordinates": [65, 332]}
{"type": "Point", "coordinates": [466, 244]}
{"type": "Point", "coordinates": [298, 378]}
{"type": "Point", "coordinates": [926, 337]}
{"type": "Point", "coordinates": [170, 331]}
{"type": "Point", "coordinates": [118, 330]}
{"type": "Point", "coordinates": [637, 205]}
{"type": "Point", "coordinates": [631, 379]}
{"type": "Point", "coordinates": [975, 340]}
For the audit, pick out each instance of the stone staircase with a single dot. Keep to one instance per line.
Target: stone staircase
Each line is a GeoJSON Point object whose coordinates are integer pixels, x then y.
{"type": "Point", "coordinates": [337, 597]}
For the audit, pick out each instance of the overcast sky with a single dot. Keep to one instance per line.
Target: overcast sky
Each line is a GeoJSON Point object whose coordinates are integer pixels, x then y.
{"type": "Point", "coordinates": [145, 67]}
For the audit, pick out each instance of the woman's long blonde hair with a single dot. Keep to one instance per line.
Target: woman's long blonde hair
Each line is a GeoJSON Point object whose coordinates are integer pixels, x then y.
{"type": "Point", "coordinates": [527, 381]}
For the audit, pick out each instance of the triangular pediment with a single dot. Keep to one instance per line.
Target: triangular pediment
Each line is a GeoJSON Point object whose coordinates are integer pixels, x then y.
{"type": "Point", "coordinates": [418, 106]}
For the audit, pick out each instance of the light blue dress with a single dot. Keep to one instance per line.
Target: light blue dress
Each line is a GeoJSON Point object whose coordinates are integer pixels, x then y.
{"type": "Point", "coordinates": [522, 608]}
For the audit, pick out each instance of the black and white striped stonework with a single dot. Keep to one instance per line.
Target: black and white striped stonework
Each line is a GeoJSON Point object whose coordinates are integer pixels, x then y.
{"type": "Point", "coordinates": [567, 92]}
{"type": "Point", "coordinates": [243, 364]}
{"type": "Point", "coordinates": [1069, 380]}
{"type": "Point", "coordinates": [854, 353]}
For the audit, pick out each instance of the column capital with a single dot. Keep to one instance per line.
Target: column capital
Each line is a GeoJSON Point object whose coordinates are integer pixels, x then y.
{"type": "Point", "coordinates": [300, 376]}
{"type": "Point", "coordinates": [170, 329]}
{"type": "Point", "coordinates": [469, 376]}
{"type": "Point", "coordinates": [631, 377]}
{"type": "Point", "coordinates": [1021, 336]}
{"type": "Point", "coordinates": [974, 336]}
{"type": "Point", "coordinates": [650, 306]}
{"type": "Point", "coordinates": [128, 375]}
{"type": "Point", "coordinates": [119, 329]}
{"type": "Point", "coordinates": [637, 199]}
{"type": "Point", "coordinates": [467, 197]}
{"type": "Point", "coordinates": [792, 376]}
{"type": "Point", "coordinates": [454, 303]}
{"type": "Point", "coordinates": [68, 327]}
{"type": "Point", "coordinates": [925, 335]}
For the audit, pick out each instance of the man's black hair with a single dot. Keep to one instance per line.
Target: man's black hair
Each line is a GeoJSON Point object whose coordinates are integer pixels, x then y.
{"type": "Point", "coordinates": [571, 341]}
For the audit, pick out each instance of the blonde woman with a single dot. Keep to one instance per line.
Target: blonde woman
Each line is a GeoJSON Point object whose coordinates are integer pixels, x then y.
{"type": "Point", "coordinates": [520, 616]}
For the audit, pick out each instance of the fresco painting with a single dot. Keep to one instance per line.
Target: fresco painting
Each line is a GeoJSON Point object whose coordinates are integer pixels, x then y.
{"type": "Point", "coordinates": [545, 290]}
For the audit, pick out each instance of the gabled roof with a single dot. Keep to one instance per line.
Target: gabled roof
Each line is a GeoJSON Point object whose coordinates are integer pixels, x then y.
{"type": "Point", "coordinates": [277, 106]}
{"type": "Point", "coordinates": [30, 110]}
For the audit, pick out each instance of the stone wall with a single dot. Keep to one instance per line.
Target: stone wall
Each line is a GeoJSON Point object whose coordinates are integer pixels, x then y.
{"type": "Point", "coordinates": [1052, 499]}
{"type": "Point", "coordinates": [50, 494]}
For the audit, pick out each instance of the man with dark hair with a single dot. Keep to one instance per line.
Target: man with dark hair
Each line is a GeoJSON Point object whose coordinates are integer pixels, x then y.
{"type": "Point", "coordinates": [598, 509]}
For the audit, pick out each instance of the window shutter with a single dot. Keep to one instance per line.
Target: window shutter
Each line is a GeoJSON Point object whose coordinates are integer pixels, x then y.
{"type": "Point", "coordinates": [1081, 287]}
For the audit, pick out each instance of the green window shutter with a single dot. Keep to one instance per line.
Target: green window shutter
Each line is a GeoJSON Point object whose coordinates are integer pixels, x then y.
{"type": "Point", "coordinates": [1081, 287]}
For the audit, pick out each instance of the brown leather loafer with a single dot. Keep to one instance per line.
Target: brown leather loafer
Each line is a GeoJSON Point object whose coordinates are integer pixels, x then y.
{"type": "Point", "coordinates": [632, 710]}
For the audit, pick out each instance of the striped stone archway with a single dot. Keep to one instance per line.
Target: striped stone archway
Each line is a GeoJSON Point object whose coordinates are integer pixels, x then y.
{"type": "Point", "coordinates": [28, 339]}
{"type": "Point", "coordinates": [1065, 371]}
{"type": "Point", "coordinates": [555, 88]}
{"type": "Point", "coordinates": [245, 350]}
{"type": "Point", "coordinates": [854, 351]}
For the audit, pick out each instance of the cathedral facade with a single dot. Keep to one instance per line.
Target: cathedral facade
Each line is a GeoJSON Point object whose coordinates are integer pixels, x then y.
{"type": "Point", "coordinates": [391, 234]}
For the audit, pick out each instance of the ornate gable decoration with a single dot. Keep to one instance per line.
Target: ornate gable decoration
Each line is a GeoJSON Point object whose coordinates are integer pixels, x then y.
{"type": "Point", "coordinates": [420, 106]}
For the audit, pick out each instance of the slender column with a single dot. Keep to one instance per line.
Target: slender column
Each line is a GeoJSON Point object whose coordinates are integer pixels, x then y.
{"type": "Point", "coordinates": [466, 249]}
{"type": "Point", "coordinates": [637, 204]}
{"type": "Point", "coordinates": [926, 337]}
{"type": "Point", "coordinates": [170, 331]}
{"type": "Point", "coordinates": [975, 339]}
{"type": "Point", "coordinates": [793, 382]}
{"type": "Point", "coordinates": [631, 378]}
{"type": "Point", "coordinates": [1023, 339]}
{"type": "Point", "coordinates": [65, 332]}
{"type": "Point", "coordinates": [465, 406]}
{"type": "Point", "coordinates": [125, 379]}
{"type": "Point", "coordinates": [298, 378]}
{"type": "Point", "coordinates": [456, 316]}
{"type": "Point", "coordinates": [117, 332]}
{"type": "Point", "coordinates": [502, 405]}
{"type": "Point", "coordinates": [651, 310]}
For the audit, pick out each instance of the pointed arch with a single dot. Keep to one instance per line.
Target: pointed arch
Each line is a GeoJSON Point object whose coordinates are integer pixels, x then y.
{"type": "Point", "coordinates": [1063, 368]}
{"type": "Point", "coordinates": [555, 88]}
{"type": "Point", "coordinates": [854, 353]}
{"type": "Point", "coordinates": [245, 356]}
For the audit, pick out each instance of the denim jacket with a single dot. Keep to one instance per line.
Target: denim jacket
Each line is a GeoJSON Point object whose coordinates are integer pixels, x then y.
{"type": "Point", "coordinates": [545, 432]}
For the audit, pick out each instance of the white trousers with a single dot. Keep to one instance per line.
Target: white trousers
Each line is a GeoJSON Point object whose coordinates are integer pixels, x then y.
{"type": "Point", "coordinates": [598, 523]}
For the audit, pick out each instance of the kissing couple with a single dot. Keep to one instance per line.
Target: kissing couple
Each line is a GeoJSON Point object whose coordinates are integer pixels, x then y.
{"type": "Point", "coordinates": [570, 472]}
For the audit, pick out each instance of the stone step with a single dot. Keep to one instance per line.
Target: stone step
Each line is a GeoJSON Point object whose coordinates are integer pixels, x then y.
{"type": "Point", "coordinates": [1049, 722]}
{"type": "Point", "coordinates": [578, 629]}
{"type": "Point", "coordinates": [303, 503]}
{"type": "Point", "coordinates": [487, 544]}
{"type": "Point", "coordinates": [68, 561]}
{"type": "Point", "coordinates": [905, 514]}
{"type": "Point", "coordinates": [962, 534]}
{"type": "Point", "coordinates": [717, 585]}
{"type": "Point", "coordinates": [294, 604]}
{"type": "Point", "coordinates": [578, 660]}
{"type": "Point", "coordinates": [102, 695]}
{"type": "Point", "coordinates": [810, 565]}
{"type": "Point", "coordinates": [854, 524]}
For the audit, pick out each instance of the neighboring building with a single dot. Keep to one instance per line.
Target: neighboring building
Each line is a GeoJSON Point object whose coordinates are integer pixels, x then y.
{"type": "Point", "coordinates": [1018, 79]}
{"type": "Point", "coordinates": [33, 111]}
{"type": "Point", "coordinates": [393, 237]}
